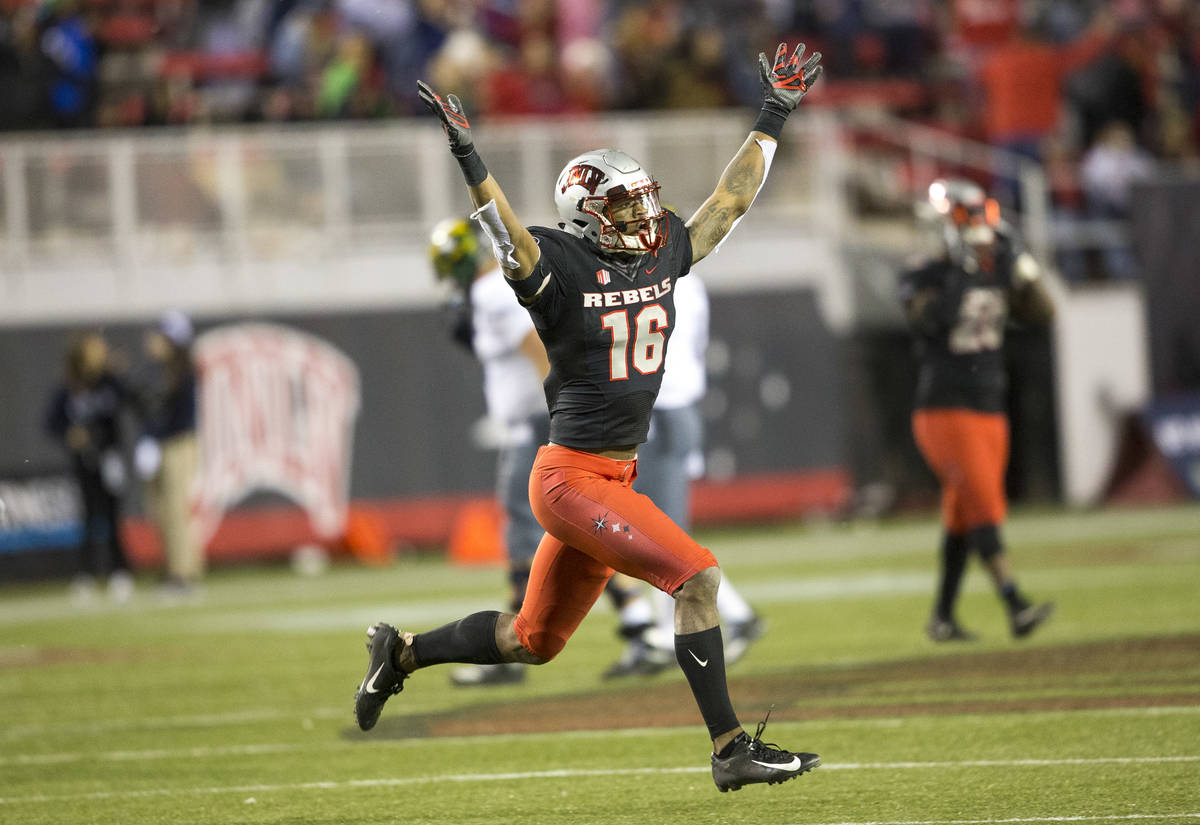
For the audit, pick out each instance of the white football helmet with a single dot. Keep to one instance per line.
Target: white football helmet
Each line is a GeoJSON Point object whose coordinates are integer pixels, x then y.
{"type": "Point", "coordinates": [607, 197]}
{"type": "Point", "coordinates": [967, 208]}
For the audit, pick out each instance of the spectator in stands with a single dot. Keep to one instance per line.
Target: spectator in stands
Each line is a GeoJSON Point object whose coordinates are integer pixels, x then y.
{"type": "Point", "coordinates": [460, 61]}
{"type": "Point", "coordinates": [696, 75]}
{"type": "Point", "coordinates": [587, 75]}
{"type": "Point", "coordinates": [643, 38]}
{"type": "Point", "coordinates": [1022, 82]}
{"type": "Point", "coordinates": [20, 88]}
{"type": "Point", "coordinates": [904, 28]}
{"type": "Point", "coordinates": [1108, 172]}
{"type": "Point", "coordinates": [71, 59]}
{"type": "Point", "coordinates": [84, 415]}
{"type": "Point", "coordinates": [528, 84]}
{"type": "Point", "coordinates": [1112, 86]}
{"type": "Point", "coordinates": [345, 80]}
{"type": "Point", "coordinates": [165, 457]}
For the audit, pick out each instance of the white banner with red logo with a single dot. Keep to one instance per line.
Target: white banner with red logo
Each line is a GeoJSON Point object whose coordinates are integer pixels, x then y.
{"type": "Point", "coordinates": [277, 410]}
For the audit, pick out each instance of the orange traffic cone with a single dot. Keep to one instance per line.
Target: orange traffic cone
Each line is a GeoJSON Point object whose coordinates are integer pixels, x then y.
{"type": "Point", "coordinates": [477, 535]}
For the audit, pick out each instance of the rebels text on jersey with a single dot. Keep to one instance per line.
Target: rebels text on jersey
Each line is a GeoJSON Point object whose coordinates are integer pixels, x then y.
{"type": "Point", "coordinates": [962, 357]}
{"type": "Point", "coordinates": [605, 321]}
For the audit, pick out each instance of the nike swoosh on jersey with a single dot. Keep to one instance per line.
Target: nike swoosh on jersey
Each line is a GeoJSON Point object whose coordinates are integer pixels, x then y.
{"type": "Point", "coordinates": [371, 682]}
{"type": "Point", "coordinates": [699, 661]}
{"type": "Point", "coordinates": [650, 269]}
{"type": "Point", "coordinates": [784, 766]}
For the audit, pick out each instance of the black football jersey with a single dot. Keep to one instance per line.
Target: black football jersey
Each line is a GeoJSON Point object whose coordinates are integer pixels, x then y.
{"type": "Point", "coordinates": [962, 356]}
{"type": "Point", "coordinates": [605, 321]}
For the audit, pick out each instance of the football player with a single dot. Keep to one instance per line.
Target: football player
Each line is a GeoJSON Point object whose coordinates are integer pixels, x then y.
{"type": "Point", "coordinates": [957, 306]}
{"type": "Point", "coordinates": [600, 291]}
{"type": "Point", "coordinates": [500, 333]}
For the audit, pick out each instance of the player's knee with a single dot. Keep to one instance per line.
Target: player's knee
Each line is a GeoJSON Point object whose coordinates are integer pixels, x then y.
{"type": "Point", "coordinates": [700, 588]}
{"type": "Point", "coordinates": [540, 648]}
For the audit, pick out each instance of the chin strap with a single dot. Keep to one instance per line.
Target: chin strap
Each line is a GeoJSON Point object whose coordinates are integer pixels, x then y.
{"type": "Point", "coordinates": [768, 150]}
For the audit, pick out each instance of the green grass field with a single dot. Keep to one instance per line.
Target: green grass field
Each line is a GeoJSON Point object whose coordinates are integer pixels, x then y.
{"type": "Point", "coordinates": [237, 709]}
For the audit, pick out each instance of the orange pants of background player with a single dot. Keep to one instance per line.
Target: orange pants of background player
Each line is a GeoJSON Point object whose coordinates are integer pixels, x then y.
{"type": "Point", "coordinates": [968, 452]}
{"type": "Point", "coordinates": [595, 524]}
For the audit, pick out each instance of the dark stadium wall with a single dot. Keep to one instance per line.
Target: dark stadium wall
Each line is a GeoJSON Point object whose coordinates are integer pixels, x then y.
{"type": "Point", "coordinates": [1166, 240]}
{"type": "Point", "coordinates": [776, 423]}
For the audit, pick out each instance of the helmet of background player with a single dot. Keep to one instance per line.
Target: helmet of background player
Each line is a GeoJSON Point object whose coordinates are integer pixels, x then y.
{"type": "Point", "coordinates": [607, 197]}
{"type": "Point", "coordinates": [454, 251]}
{"type": "Point", "coordinates": [966, 207]}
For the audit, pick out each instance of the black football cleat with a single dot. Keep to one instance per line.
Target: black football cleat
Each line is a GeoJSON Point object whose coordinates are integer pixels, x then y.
{"type": "Point", "coordinates": [1025, 621]}
{"type": "Point", "coordinates": [948, 630]}
{"type": "Point", "coordinates": [383, 678]}
{"type": "Point", "coordinates": [753, 760]}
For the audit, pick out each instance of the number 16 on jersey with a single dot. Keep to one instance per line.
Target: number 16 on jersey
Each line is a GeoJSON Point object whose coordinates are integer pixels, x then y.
{"type": "Point", "coordinates": [648, 345]}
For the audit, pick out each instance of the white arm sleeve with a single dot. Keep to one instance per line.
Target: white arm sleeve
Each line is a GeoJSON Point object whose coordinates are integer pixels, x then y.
{"type": "Point", "coordinates": [502, 246]}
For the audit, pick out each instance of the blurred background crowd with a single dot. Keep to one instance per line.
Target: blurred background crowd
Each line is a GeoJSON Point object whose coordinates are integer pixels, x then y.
{"type": "Point", "coordinates": [1096, 90]}
{"type": "Point", "coordinates": [1017, 72]}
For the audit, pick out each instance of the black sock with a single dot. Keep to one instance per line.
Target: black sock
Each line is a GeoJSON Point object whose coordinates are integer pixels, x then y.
{"type": "Point", "coordinates": [954, 564]}
{"type": "Point", "coordinates": [470, 640]}
{"type": "Point", "coordinates": [1013, 597]}
{"type": "Point", "coordinates": [702, 657]}
{"type": "Point", "coordinates": [731, 744]}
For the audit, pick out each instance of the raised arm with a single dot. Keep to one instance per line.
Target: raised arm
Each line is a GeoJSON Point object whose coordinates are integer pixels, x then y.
{"type": "Point", "coordinates": [1031, 300]}
{"type": "Point", "coordinates": [515, 248]}
{"type": "Point", "coordinates": [784, 84]}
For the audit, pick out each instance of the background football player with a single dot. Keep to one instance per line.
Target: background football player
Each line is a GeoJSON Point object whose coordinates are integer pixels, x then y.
{"type": "Point", "coordinates": [957, 306]}
{"type": "Point", "coordinates": [599, 289]}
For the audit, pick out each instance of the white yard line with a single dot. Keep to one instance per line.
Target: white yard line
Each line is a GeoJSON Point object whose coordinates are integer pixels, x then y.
{"type": "Point", "coordinates": [776, 590]}
{"type": "Point", "coordinates": [1019, 819]}
{"type": "Point", "coordinates": [155, 754]}
{"type": "Point", "coordinates": [389, 782]}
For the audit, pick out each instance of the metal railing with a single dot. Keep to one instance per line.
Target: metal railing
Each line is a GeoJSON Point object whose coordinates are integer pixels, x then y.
{"type": "Point", "coordinates": [221, 213]}
{"type": "Point", "coordinates": [105, 223]}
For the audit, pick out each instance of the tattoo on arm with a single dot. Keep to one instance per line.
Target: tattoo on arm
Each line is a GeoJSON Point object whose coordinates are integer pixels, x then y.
{"type": "Point", "coordinates": [734, 193]}
{"type": "Point", "coordinates": [743, 177]}
{"type": "Point", "coordinates": [713, 222]}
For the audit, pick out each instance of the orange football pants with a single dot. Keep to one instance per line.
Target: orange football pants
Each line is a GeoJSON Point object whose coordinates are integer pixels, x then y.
{"type": "Point", "coordinates": [968, 452]}
{"type": "Point", "coordinates": [595, 524]}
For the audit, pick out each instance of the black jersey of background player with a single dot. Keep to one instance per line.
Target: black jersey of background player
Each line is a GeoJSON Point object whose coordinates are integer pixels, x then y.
{"type": "Point", "coordinates": [605, 320]}
{"type": "Point", "coordinates": [962, 357]}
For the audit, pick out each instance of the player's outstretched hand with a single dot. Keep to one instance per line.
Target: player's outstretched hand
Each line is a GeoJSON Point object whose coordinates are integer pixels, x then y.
{"type": "Point", "coordinates": [786, 82]}
{"type": "Point", "coordinates": [454, 120]}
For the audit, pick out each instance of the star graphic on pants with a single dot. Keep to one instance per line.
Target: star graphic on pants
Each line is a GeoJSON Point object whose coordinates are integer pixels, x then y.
{"type": "Point", "coordinates": [599, 523]}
